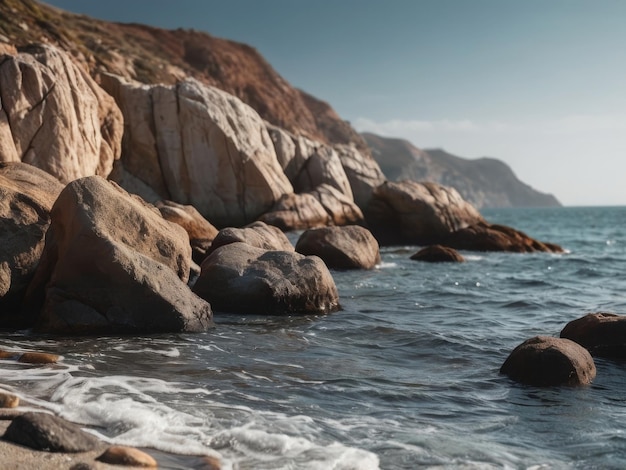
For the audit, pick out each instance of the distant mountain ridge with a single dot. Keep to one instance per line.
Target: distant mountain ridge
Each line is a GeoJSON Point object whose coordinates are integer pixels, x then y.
{"type": "Point", "coordinates": [485, 182]}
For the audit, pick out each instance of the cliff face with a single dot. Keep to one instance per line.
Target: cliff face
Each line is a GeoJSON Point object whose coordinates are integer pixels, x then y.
{"type": "Point", "coordinates": [485, 182]}
{"type": "Point", "coordinates": [153, 55]}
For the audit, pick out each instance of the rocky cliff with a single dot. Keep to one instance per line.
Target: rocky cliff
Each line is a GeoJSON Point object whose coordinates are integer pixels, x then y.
{"type": "Point", "coordinates": [485, 182]}
{"type": "Point", "coordinates": [158, 56]}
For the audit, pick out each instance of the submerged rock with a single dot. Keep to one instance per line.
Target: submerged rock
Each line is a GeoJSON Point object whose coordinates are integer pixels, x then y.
{"type": "Point", "coordinates": [26, 198]}
{"type": "Point", "coordinates": [348, 247]}
{"type": "Point", "coordinates": [54, 116]}
{"type": "Point", "coordinates": [240, 278]}
{"type": "Point", "coordinates": [111, 263]}
{"type": "Point", "coordinates": [42, 431]}
{"type": "Point", "coordinates": [546, 361]}
{"type": "Point", "coordinates": [438, 254]}
{"type": "Point", "coordinates": [603, 334]}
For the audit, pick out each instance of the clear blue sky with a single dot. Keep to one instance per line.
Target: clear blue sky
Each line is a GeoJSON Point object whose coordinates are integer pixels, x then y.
{"type": "Point", "coordinates": [540, 84]}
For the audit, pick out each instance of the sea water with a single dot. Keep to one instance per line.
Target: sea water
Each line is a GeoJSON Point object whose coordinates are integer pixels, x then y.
{"type": "Point", "coordinates": [404, 377]}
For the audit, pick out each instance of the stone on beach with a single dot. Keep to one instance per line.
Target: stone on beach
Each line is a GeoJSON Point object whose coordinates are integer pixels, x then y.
{"type": "Point", "coordinates": [347, 247]}
{"type": "Point", "coordinates": [26, 198]}
{"type": "Point", "coordinates": [547, 361]}
{"type": "Point", "coordinates": [43, 431]}
{"type": "Point", "coordinates": [240, 278]}
{"type": "Point", "coordinates": [127, 456]}
{"type": "Point", "coordinates": [603, 334]}
{"type": "Point", "coordinates": [111, 263]}
{"type": "Point", "coordinates": [8, 400]}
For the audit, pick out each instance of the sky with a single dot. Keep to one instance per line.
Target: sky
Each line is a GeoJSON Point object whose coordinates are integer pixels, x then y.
{"type": "Point", "coordinates": [539, 84]}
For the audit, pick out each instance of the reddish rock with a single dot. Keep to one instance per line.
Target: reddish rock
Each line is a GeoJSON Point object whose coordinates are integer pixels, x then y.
{"type": "Point", "coordinates": [491, 237]}
{"type": "Point", "coordinates": [9, 401]}
{"type": "Point", "coordinates": [127, 456]}
{"type": "Point", "coordinates": [240, 278]}
{"type": "Point", "coordinates": [349, 247]}
{"type": "Point", "coordinates": [33, 357]}
{"type": "Point", "coordinates": [603, 334]}
{"type": "Point", "coordinates": [547, 361]}
{"type": "Point", "coordinates": [438, 254]}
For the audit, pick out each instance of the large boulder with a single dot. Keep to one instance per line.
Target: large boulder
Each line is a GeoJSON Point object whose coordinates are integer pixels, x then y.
{"type": "Point", "coordinates": [195, 144]}
{"type": "Point", "coordinates": [339, 207]}
{"type": "Point", "coordinates": [349, 247]}
{"type": "Point", "coordinates": [240, 278]}
{"type": "Point", "coordinates": [201, 232]}
{"type": "Point", "coordinates": [111, 263]}
{"type": "Point", "coordinates": [545, 361]}
{"type": "Point", "coordinates": [26, 198]}
{"type": "Point", "coordinates": [297, 212]}
{"type": "Point", "coordinates": [492, 237]}
{"type": "Point", "coordinates": [54, 116]}
{"type": "Point", "coordinates": [603, 334]}
{"type": "Point", "coordinates": [408, 212]}
{"type": "Point", "coordinates": [322, 167]}
{"type": "Point", "coordinates": [258, 234]}
{"type": "Point", "coordinates": [362, 172]}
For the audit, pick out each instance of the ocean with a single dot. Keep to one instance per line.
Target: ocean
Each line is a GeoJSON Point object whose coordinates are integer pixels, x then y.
{"type": "Point", "coordinates": [406, 376]}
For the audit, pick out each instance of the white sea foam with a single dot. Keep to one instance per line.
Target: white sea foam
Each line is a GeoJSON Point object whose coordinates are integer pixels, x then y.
{"type": "Point", "coordinates": [171, 352]}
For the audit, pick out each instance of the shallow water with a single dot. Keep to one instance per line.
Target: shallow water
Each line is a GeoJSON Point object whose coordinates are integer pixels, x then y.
{"type": "Point", "coordinates": [405, 377]}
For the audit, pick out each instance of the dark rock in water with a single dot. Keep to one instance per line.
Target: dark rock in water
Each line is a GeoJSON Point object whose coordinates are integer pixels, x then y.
{"type": "Point", "coordinates": [26, 198]}
{"type": "Point", "coordinates": [491, 237]}
{"type": "Point", "coordinates": [417, 213]}
{"type": "Point", "coordinates": [603, 334]}
{"type": "Point", "coordinates": [547, 361]}
{"type": "Point", "coordinates": [42, 431]}
{"type": "Point", "coordinates": [128, 456]}
{"type": "Point", "coordinates": [438, 254]}
{"type": "Point", "coordinates": [201, 232]}
{"type": "Point", "coordinates": [348, 247]}
{"type": "Point", "coordinates": [258, 234]}
{"type": "Point", "coordinates": [112, 264]}
{"type": "Point", "coordinates": [240, 278]}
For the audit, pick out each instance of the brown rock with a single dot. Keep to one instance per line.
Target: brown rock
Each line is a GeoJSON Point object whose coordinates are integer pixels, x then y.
{"type": "Point", "coordinates": [362, 171]}
{"type": "Point", "coordinates": [296, 212]}
{"type": "Point", "coordinates": [417, 213]}
{"type": "Point", "coordinates": [112, 264]}
{"type": "Point", "coordinates": [438, 254]}
{"type": "Point", "coordinates": [195, 144]}
{"type": "Point", "coordinates": [322, 167]}
{"type": "Point", "coordinates": [26, 198]}
{"type": "Point", "coordinates": [603, 334]}
{"type": "Point", "coordinates": [201, 232]}
{"type": "Point", "coordinates": [340, 208]}
{"type": "Point", "coordinates": [42, 431]}
{"type": "Point", "coordinates": [483, 236]}
{"type": "Point", "coordinates": [128, 456]}
{"type": "Point", "coordinates": [55, 117]}
{"type": "Point", "coordinates": [211, 463]}
{"type": "Point", "coordinates": [38, 358]}
{"type": "Point", "coordinates": [258, 234]}
{"type": "Point", "coordinates": [8, 401]}
{"type": "Point", "coordinates": [547, 361]}
{"type": "Point", "coordinates": [349, 247]}
{"type": "Point", "coordinates": [240, 278]}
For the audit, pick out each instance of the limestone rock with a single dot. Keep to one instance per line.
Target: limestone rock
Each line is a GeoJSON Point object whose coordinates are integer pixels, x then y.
{"type": "Point", "coordinates": [42, 431]}
{"type": "Point", "coordinates": [239, 278]}
{"type": "Point", "coordinates": [258, 234]}
{"type": "Point", "coordinates": [603, 334]}
{"type": "Point", "coordinates": [55, 117]}
{"type": "Point", "coordinates": [349, 247]}
{"type": "Point", "coordinates": [195, 144]}
{"type": "Point", "coordinates": [127, 456]}
{"type": "Point", "coordinates": [417, 213]}
{"type": "Point", "coordinates": [111, 263]}
{"type": "Point", "coordinates": [546, 361]}
{"type": "Point", "coordinates": [438, 254]}
{"type": "Point", "coordinates": [201, 232]}
{"type": "Point", "coordinates": [26, 198]}
{"type": "Point", "coordinates": [297, 212]}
